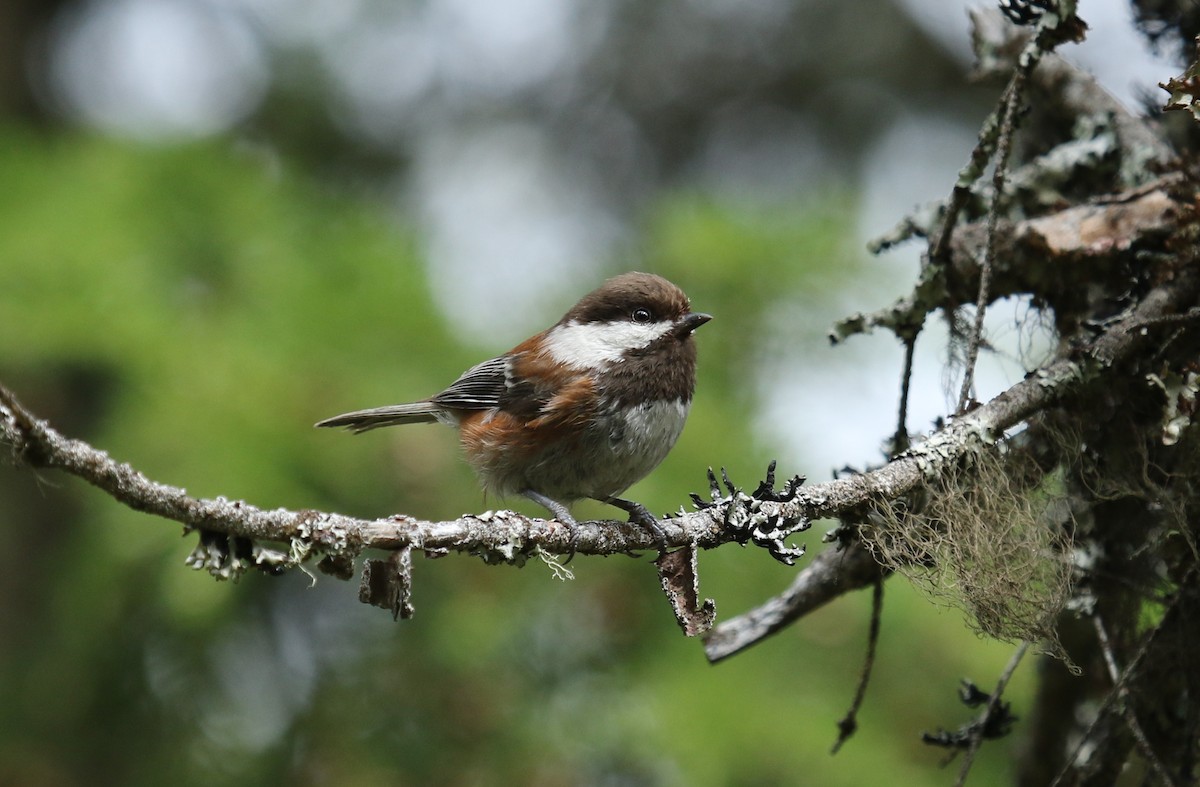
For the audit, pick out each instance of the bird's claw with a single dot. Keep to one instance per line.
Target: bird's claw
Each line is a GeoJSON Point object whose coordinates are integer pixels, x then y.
{"type": "Point", "coordinates": [640, 515]}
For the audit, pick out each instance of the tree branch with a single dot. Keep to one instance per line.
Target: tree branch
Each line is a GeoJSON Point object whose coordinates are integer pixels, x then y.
{"type": "Point", "coordinates": [1119, 690]}
{"type": "Point", "coordinates": [834, 572]}
{"type": "Point", "coordinates": [849, 723]}
{"type": "Point", "coordinates": [1049, 256]}
{"type": "Point", "coordinates": [505, 536]}
{"type": "Point", "coordinates": [989, 713]}
{"type": "Point", "coordinates": [1122, 691]}
{"type": "Point", "coordinates": [831, 574]}
{"type": "Point", "coordinates": [1008, 125]}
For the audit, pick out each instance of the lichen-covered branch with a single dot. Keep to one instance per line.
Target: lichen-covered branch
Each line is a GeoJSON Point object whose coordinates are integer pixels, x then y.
{"type": "Point", "coordinates": [497, 536]}
{"type": "Point", "coordinates": [764, 517]}
{"type": "Point", "coordinates": [832, 573]}
{"type": "Point", "coordinates": [1114, 165]}
{"type": "Point", "coordinates": [836, 572]}
{"type": "Point", "coordinates": [1048, 257]}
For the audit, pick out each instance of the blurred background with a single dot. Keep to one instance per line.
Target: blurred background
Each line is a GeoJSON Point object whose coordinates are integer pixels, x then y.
{"type": "Point", "coordinates": [222, 220]}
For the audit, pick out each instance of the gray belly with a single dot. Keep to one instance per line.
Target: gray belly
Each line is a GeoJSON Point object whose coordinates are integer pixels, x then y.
{"type": "Point", "coordinates": [619, 450]}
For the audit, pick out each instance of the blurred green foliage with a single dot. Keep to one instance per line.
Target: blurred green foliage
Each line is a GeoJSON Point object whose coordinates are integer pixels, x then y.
{"type": "Point", "coordinates": [193, 310]}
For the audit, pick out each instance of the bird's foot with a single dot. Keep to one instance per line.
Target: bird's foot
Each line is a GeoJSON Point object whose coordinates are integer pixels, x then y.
{"type": "Point", "coordinates": [640, 515]}
{"type": "Point", "coordinates": [561, 514]}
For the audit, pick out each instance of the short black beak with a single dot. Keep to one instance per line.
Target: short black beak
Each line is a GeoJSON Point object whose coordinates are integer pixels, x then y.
{"type": "Point", "coordinates": [690, 322]}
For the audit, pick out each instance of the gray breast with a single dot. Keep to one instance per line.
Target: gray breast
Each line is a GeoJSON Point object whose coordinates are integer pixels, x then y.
{"type": "Point", "coordinates": [643, 434]}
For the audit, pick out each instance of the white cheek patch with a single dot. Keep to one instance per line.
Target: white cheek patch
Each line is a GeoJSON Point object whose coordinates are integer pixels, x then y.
{"type": "Point", "coordinates": [590, 344]}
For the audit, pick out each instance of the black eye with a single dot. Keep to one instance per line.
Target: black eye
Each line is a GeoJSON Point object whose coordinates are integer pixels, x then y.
{"type": "Point", "coordinates": [642, 315]}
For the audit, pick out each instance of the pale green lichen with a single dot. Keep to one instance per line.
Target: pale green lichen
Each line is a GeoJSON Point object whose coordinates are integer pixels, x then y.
{"type": "Point", "coordinates": [1180, 392]}
{"type": "Point", "coordinates": [984, 538]}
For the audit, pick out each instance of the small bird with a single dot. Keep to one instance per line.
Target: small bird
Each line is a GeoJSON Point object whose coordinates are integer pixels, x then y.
{"type": "Point", "coordinates": [584, 409]}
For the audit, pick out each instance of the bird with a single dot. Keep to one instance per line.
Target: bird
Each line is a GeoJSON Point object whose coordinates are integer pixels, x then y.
{"type": "Point", "coordinates": [584, 409]}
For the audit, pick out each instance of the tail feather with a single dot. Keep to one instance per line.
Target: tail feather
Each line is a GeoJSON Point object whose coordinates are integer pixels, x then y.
{"type": "Point", "coordinates": [391, 415]}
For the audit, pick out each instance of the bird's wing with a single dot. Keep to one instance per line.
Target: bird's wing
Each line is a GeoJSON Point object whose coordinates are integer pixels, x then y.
{"type": "Point", "coordinates": [478, 388]}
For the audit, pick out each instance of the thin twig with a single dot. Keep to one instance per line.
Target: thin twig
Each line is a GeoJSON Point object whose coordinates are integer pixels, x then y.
{"type": "Point", "coordinates": [900, 442]}
{"type": "Point", "coordinates": [993, 704]}
{"type": "Point", "coordinates": [989, 137]}
{"type": "Point", "coordinates": [1011, 100]}
{"type": "Point", "coordinates": [1127, 710]}
{"type": "Point", "coordinates": [1130, 671]}
{"type": "Point", "coordinates": [849, 722]}
{"type": "Point", "coordinates": [1183, 318]}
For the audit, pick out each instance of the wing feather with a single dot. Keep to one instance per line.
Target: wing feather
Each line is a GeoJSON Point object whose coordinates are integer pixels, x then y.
{"type": "Point", "coordinates": [479, 388]}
